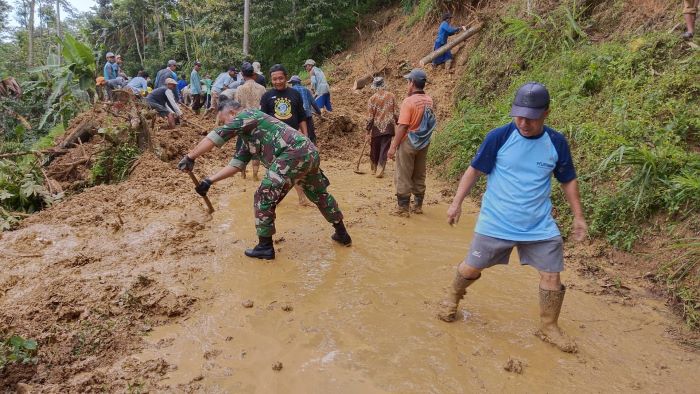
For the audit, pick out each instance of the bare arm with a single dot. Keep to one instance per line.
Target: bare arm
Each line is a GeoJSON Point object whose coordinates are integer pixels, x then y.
{"type": "Point", "coordinates": [224, 173]}
{"type": "Point", "coordinates": [465, 187]}
{"type": "Point", "coordinates": [398, 137]}
{"type": "Point", "coordinates": [302, 128]}
{"type": "Point", "coordinates": [204, 146]}
{"type": "Point", "coordinates": [579, 226]}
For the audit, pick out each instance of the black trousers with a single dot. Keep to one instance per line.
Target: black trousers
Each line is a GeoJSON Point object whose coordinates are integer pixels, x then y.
{"type": "Point", "coordinates": [379, 147]}
{"type": "Point", "coordinates": [196, 102]}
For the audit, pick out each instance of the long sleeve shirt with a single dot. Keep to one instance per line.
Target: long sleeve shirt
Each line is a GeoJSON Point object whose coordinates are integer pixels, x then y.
{"type": "Point", "coordinates": [319, 84]}
{"type": "Point", "coordinates": [308, 99]}
{"type": "Point", "coordinates": [445, 31]}
{"type": "Point", "coordinates": [222, 82]}
{"type": "Point", "coordinates": [137, 84]}
{"type": "Point", "coordinates": [265, 138]}
{"type": "Point", "coordinates": [195, 83]}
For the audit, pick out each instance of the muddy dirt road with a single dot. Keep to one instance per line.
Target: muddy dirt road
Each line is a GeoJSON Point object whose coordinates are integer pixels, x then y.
{"type": "Point", "coordinates": [359, 319]}
{"type": "Point", "coordinates": [132, 286]}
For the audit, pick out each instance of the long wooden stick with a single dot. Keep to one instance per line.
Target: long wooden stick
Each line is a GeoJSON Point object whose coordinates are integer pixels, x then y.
{"type": "Point", "coordinates": [206, 199]}
{"type": "Point", "coordinates": [432, 55]}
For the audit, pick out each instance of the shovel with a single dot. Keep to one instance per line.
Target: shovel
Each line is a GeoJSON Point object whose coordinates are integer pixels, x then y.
{"type": "Point", "coordinates": [357, 169]}
{"type": "Point", "coordinates": [206, 199]}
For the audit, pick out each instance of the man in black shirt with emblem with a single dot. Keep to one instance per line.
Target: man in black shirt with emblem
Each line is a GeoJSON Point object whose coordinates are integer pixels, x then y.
{"type": "Point", "coordinates": [282, 102]}
{"type": "Point", "coordinates": [285, 104]}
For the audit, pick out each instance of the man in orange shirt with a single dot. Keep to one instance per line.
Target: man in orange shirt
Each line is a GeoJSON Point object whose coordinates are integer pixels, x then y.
{"type": "Point", "coordinates": [410, 144]}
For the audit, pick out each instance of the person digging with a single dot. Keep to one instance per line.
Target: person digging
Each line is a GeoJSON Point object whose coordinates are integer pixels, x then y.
{"type": "Point", "coordinates": [290, 158]}
{"type": "Point", "coordinates": [519, 160]}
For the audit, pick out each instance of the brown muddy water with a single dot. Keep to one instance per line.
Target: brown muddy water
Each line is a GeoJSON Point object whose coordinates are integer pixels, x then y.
{"type": "Point", "coordinates": [361, 319]}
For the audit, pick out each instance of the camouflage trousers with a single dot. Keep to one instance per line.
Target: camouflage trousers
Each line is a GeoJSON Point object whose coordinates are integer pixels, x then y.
{"type": "Point", "coordinates": [286, 171]}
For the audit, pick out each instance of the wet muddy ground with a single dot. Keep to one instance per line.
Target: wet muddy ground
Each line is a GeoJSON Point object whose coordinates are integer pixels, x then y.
{"type": "Point", "coordinates": [360, 319]}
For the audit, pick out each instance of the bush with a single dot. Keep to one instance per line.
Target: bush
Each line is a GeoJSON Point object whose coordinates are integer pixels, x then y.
{"type": "Point", "coordinates": [16, 349]}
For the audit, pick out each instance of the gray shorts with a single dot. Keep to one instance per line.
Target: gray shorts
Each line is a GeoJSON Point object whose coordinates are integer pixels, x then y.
{"type": "Point", "coordinates": [546, 255]}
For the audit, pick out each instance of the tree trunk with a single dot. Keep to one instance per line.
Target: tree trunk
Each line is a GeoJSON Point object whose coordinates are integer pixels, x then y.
{"type": "Point", "coordinates": [184, 34]}
{"type": "Point", "coordinates": [58, 31]}
{"type": "Point", "coordinates": [136, 38]}
{"type": "Point", "coordinates": [246, 26]}
{"type": "Point", "coordinates": [161, 40]}
{"type": "Point", "coordinates": [30, 38]}
{"type": "Point", "coordinates": [432, 55]}
{"type": "Point", "coordinates": [362, 82]}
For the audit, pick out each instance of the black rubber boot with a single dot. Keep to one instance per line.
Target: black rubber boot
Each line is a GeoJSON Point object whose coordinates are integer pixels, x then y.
{"type": "Point", "coordinates": [417, 206]}
{"type": "Point", "coordinates": [341, 235]}
{"type": "Point", "coordinates": [263, 250]}
{"type": "Point", "coordinates": [403, 206]}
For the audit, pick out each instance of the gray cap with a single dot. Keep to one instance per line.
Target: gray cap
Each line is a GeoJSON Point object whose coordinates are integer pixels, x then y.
{"type": "Point", "coordinates": [294, 79]}
{"type": "Point", "coordinates": [172, 63]}
{"type": "Point", "coordinates": [531, 100]}
{"type": "Point", "coordinates": [417, 74]}
{"type": "Point", "coordinates": [109, 54]}
{"type": "Point", "coordinates": [309, 62]}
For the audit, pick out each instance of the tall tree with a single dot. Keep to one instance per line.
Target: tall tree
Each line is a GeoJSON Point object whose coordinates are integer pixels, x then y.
{"type": "Point", "coordinates": [30, 34]}
{"type": "Point", "coordinates": [246, 28]}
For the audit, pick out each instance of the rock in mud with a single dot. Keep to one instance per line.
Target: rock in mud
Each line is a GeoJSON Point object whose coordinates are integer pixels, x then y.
{"type": "Point", "coordinates": [514, 365]}
{"type": "Point", "coordinates": [277, 366]}
{"type": "Point", "coordinates": [247, 303]}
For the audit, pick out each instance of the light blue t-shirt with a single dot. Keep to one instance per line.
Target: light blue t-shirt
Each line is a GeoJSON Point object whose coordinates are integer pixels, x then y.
{"type": "Point", "coordinates": [137, 84]}
{"type": "Point", "coordinates": [222, 82]}
{"type": "Point", "coordinates": [517, 204]}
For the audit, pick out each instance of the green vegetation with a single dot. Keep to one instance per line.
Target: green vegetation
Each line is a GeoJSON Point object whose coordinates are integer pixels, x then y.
{"type": "Point", "coordinates": [16, 349]}
{"type": "Point", "coordinates": [630, 108]}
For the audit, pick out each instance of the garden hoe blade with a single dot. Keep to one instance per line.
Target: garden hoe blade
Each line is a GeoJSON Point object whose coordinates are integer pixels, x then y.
{"type": "Point", "coordinates": [357, 169]}
{"type": "Point", "coordinates": [206, 199]}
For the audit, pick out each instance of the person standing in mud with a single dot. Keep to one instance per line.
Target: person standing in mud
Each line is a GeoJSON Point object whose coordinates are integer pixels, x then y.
{"type": "Point", "coordinates": [290, 159]}
{"type": "Point", "coordinates": [309, 104]}
{"type": "Point", "coordinates": [249, 95]}
{"type": "Point", "coordinates": [380, 126]}
{"type": "Point", "coordinates": [319, 85]}
{"type": "Point", "coordinates": [410, 144]}
{"type": "Point", "coordinates": [516, 210]}
{"type": "Point", "coordinates": [287, 105]}
{"type": "Point", "coordinates": [196, 87]}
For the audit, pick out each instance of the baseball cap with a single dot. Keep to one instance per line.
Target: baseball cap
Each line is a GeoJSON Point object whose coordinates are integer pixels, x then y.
{"type": "Point", "coordinates": [531, 100]}
{"type": "Point", "coordinates": [247, 69]}
{"type": "Point", "coordinates": [416, 74]}
{"type": "Point", "coordinates": [172, 63]}
{"type": "Point", "coordinates": [169, 81]}
{"type": "Point", "coordinates": [197, 63]}
{"type": "Point", "coordinates": [109, 54]}
{"type": "Point", "coordinates": [294, 79]}
{"type": "Point", "coordinates": [309, 62]}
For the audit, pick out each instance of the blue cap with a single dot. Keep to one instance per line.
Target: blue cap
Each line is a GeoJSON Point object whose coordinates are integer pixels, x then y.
{"type": "Point", "coordinates": [531, 100]}
{"type": "Point", "coordinates": [416, 74]}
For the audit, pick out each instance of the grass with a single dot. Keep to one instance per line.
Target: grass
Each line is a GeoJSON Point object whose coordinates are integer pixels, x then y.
{"type": "Point", "coordinates": [630, 109]}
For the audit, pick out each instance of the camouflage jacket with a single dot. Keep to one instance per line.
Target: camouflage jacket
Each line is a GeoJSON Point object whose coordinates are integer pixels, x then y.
{"type": "Point", "coordinates": [264, 138]}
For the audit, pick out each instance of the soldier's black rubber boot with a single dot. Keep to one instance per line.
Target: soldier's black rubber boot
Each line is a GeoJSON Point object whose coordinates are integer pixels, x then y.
{"type": "Point", "coordinates": [263, 250]}
{"type": "Point", "coordinates": [341, 235]}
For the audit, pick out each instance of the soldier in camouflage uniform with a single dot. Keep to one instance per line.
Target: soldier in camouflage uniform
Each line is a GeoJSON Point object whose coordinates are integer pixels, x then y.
{"type": "Point", "coordinates": [289, 156]}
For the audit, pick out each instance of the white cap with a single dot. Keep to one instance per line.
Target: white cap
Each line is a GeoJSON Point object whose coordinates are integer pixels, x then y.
{"type": "Point", "coordinates": [309, 62]}
{"type": "Point", "coordinates": [169, 81]}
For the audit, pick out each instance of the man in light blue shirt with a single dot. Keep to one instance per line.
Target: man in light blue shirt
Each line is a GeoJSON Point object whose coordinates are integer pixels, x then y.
{"type": "Point", "coordinates": [138, 83]}
{"type": "Point", "coordinates": [519, 160]}
{"type": "Point", "coordinates": [196, 88]}
{"type": "Point", "coordinates": [110, 73]}
{"type": "Point", "coordinates": [225, 80]}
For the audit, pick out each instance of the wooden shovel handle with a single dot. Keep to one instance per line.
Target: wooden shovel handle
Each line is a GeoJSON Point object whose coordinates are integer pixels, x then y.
{"type": "Point", "coordinates": [206, 199]}
{"type": "Point", "coordinates": [361, 154]}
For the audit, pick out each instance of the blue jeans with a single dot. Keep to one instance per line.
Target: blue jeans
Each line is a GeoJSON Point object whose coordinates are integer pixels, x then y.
{"type": "Point", "coordinates": [324, 100]}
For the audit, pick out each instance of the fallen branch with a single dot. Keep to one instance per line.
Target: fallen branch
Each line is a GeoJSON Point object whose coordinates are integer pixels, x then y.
{"type": "Point", "coordinates": [443, 49]}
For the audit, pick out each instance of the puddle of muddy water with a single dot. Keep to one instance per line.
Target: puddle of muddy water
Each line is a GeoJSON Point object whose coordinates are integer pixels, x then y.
{"type": "Point", "coordinates": [361, 319]}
